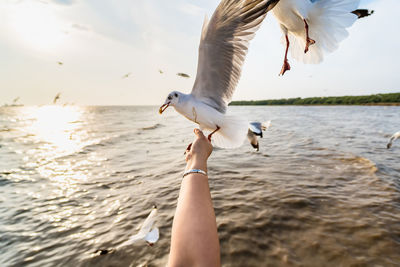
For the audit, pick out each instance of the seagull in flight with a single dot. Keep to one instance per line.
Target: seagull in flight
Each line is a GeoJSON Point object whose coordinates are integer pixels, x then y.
{"type": "Point", "coordinates": [160, 71]}
{"type": "Point", "coordinates": [183, 75]}
{"type": "Point", "coordinates": [256, 129]}
{"type": "Point", "coordinates": [148, 232]}
{"type": "Point", "coordinates": [223, 47]}
{"type": "Point", "coordinates": [392, 139]}
{"type": "Point", "coordinates": [56, 98]}
{"type": "Point", "coordinates": [126, 75]}
{"type": "Point", "coordinates": [59, 63]}
{"type": "Point", "coordinates": [312, 27]}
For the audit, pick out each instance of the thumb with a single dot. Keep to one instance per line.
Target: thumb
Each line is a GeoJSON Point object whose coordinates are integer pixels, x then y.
{"type": "Point", "coordinates": [198, 133]}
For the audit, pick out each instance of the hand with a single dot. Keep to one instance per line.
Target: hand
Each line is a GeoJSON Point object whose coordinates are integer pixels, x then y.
{"type": "Point", "coordinates": [200, 150]}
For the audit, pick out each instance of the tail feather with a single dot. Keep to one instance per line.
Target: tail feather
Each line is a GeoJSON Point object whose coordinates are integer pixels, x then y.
{"type": "Point", "coordinates": [327, 22]}
{"type": "Point", "coordinates": [232, 133]}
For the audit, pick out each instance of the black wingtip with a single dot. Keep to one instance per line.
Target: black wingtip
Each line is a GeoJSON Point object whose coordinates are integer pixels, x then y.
{"type": "Point", "coordinates": [361, 13]}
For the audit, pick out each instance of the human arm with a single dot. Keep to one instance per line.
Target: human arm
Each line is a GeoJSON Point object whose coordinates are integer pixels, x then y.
{"type": "Point", "coordinates": [194, 238]}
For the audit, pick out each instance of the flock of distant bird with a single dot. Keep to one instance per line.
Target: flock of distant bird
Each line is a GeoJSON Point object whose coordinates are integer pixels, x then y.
{"type": "Point", "coordinates": [180, 74]}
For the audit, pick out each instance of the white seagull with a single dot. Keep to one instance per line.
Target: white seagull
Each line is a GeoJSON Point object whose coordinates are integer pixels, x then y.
{"type": "Point", "coordinates": [392, 139]}
{"type": "Point", "coordinates": [223, 47]}
{"type": "Point", "coordinates": [148, 232]}
{"type": "Point", "coordinates": [312, 27]}
{"type": "Point", "coordinates": [256, 129]}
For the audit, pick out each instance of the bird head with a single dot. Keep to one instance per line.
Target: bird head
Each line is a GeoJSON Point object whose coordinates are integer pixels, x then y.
{"type": "Point", "coordinates": [172, 100]}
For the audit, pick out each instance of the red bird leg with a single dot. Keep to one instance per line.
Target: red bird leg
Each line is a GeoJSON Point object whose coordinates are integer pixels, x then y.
{"type": "Point", "coordinates": [309, 41]}
{"type": "Point", "coordinates": [286, 65]}
{"type": "Point", "coordinates": [209, 136]}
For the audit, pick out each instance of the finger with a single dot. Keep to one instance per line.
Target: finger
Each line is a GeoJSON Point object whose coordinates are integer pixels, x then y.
{"type": "Point", "coordinates": [198, 132]}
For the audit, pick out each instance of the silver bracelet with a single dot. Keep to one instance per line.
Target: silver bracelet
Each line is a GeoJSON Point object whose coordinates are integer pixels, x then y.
{"type": "Point", "coordinates": [194, 171]}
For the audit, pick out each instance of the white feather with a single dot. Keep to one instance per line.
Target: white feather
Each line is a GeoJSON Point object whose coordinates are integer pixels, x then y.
{"type": "Point", "coordinates": [327, 21]}
{"type": "Point", "coordinates": [144, 232]}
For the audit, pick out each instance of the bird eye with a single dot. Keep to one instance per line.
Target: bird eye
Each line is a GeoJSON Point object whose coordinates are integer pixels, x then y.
{"type": "Point", "coordinates": [176, 95]}
{"type": "Point", "coordinates": [169, 97]}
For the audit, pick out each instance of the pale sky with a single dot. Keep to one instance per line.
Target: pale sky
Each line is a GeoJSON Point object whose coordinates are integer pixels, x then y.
{"type": "Point", "coordinates": [99, 41]}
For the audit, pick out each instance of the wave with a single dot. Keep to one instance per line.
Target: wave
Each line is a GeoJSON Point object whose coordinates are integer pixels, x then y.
{"type": "Point", "coordinates": [362, 162]}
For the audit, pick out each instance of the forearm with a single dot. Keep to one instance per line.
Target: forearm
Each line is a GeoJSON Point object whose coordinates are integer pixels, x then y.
{"type": "Point", "coordinates": [194, 239]}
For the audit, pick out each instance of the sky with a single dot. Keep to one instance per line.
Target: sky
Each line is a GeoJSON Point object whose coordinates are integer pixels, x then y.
{"type": "Point", "coordinates": [99, 41]}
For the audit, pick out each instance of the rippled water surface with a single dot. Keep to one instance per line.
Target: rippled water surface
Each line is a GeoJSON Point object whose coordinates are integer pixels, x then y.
{"type": "Point", "coordinates": [322, 191]}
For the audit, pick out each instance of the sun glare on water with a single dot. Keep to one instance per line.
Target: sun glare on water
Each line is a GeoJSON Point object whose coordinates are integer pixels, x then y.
{"type": "Point", "coordinates": [56, 125]}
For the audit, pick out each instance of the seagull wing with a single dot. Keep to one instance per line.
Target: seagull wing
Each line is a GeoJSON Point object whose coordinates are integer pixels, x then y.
{"type": "Point", "coordinates": [144, 231]}
{"type": "Point", "coordinates": [223, 48]}
{"type": "Point", "coordinates": [148, 223]}
{"type": "Point", "coordinates": [255, 127]}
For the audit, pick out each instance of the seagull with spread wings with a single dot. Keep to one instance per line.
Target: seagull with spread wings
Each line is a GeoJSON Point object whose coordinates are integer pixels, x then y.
{"type": "Point", "coordinates": [148, 232]}
{"type": "Point", "coordinates": [223, 47]}
{"type": "Point", "coordinates": [314, 27]}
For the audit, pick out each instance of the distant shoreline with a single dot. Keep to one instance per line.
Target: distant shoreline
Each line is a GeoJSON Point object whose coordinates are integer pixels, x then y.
{"type": "Point", "coordinates": [392, 99]}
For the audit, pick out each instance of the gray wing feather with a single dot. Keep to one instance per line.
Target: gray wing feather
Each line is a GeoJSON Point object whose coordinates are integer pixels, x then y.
{"type": "Point", "coordinates": [223, 47]}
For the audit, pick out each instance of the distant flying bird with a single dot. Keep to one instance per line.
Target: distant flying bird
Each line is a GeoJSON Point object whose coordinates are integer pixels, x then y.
{"type": "Point", "coordinates": [223, 47]}
{"type": "Point", "coordinates": [60, 63]}
{"type": "Point", "coordinates": [56, 98]}
{"type": "Point", "coordinates": [256, 129]}
{"type": "Point", "coordinates": [15, 100]}
{"type": "Point", "coordinates": [392, 139]}
{"type": "Point", "coordinates": [312, 28]}
{"type": "Point", "coordinates": [361, 13]}
{"type": "Point", "coordinates": [148, 232]}
{"type": "Point", "coordinates": [126, 75]}
{"type": "Point", "coordinates": [184, 75]}
{"type": "Point", "coordinates": [161, 72]}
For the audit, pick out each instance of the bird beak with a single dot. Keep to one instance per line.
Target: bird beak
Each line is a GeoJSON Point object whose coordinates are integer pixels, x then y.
{"type": "Point", "coordinates": [163, 107]}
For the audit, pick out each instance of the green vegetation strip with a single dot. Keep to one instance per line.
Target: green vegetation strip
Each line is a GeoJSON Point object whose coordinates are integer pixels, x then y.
{"type": "Point", "coordinates": [379, 99]}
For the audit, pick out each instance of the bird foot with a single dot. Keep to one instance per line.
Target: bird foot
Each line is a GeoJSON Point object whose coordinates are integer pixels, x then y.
{"type": "Point", "coordinates": [308, 43]}
{"type": "Point", "coordinates": [213, 132]}
{"type": "Point", "coordinates": [285, 67]}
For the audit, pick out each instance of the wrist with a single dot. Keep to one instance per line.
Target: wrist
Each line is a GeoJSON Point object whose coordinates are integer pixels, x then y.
{"type": "Point", "coordinates": [195, 163]}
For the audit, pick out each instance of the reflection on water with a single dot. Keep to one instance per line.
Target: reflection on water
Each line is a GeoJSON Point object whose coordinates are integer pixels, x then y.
{"type": "Point", "coordinates": [322, 191]}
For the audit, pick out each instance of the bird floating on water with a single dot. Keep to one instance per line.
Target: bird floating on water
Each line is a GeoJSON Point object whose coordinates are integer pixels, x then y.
{"type": "Point", "coordinates": [312, 27]}
{"type": "Point", "coordinates": [183, 75]}
{"type": "Point", "coordinates": [148, 232]}
{"type": "Point", "coordinates": [56, 98]}
{"type": "Point", "coordinates": [392, 139]}
{"type": "Point", "coordinates": [223, 47]}
{"type": "Point", "coordinates": [256, 129]}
